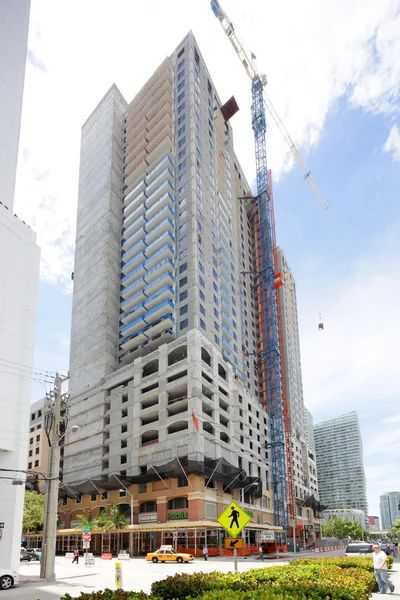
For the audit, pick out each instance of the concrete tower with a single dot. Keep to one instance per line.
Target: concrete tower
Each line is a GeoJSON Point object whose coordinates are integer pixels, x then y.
{"type": "Point", "coordinates": [162, 318]}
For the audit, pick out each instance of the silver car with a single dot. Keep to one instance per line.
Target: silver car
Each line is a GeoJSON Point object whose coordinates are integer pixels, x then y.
{"type": "Point", "coordinates": [359, 549]}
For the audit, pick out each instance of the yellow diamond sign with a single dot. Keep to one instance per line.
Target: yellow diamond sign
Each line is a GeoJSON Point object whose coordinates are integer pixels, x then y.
{"type": "Point", "coordinates": [233, 519]}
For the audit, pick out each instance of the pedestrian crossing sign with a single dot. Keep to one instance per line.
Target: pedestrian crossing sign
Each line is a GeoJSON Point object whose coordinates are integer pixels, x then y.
{"type": "Point", "coordinates": [233, 519]}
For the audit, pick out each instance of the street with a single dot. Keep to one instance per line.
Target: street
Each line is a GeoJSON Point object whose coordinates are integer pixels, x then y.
{"type": "Point", "coordinates": [138, 574]}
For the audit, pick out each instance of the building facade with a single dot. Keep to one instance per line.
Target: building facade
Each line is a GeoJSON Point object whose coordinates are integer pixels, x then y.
{"type": "Point", "coordinates": [163, 323]}
{"type": "Point", "coordinates": [340, 465]}
{"type": "Point", "coordinates": [19, 273]}
{"type": "Point", "coordinates": [303, 454]}
{"type": "Point", "coordinates": [389, 508]}
{"type": "Point", "coordinates": [14, 23]}
{"type": "Point", "coordinates": [374, 523]}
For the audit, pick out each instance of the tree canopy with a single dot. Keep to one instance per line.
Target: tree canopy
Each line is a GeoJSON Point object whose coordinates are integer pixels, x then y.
{"type": "Point", "coordinates": [342, 528]}
{"type": "Point", "coordinates": [33, 518]}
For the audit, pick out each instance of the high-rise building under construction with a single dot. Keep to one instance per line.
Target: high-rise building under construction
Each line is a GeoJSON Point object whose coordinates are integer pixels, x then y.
{"type": "Point", "coordinates": [164, 378]}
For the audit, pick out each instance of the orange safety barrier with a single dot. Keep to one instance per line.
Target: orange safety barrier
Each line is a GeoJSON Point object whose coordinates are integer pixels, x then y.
{"type": "Point", "coordinates": [106, 556]}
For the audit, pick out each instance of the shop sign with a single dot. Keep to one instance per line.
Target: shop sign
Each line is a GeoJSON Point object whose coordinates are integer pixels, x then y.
{"type": "Point", "coordinates": [147, 517]}
{"type": "Point", "coordinates": [317, 527]}
{"type": "Point", "coordinates": [308, 527]}
{"type": "Point", "coordinates": [178, 515]}
{"type": "Point", "coordinates": [267, 536]}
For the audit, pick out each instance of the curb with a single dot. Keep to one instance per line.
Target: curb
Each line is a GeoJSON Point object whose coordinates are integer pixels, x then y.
{"type": "Point", "coordinates": [56, 579]}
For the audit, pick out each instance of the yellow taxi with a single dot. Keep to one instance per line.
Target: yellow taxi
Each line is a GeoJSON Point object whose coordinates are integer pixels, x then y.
{"type": "Point", "coordinates": [167, 553]}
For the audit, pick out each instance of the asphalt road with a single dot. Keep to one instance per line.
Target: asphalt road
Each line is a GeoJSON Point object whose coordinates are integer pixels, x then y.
{"type": "Point", "coordinates": [138, 574]}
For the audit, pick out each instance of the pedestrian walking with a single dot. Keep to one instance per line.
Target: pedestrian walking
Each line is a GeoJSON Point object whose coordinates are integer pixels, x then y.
{"type": "Point", "coordinates": [260, 554]}
{"type": "Point", "coordinates": [76, 556]}
{"type": "Point", "coordinates": [205, 552]}
{"type": "Point", "coordinates": [380, 570]}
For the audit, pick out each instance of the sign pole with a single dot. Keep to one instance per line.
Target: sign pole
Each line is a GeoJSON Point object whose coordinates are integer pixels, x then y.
{"type": "Point", "coordinates": [235, 559]}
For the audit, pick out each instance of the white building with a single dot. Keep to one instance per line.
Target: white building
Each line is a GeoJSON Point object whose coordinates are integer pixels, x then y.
{"type": "Point", "coordinates": [19, 276]}
{"type": "Point", "coordinates": [352, 514]}
{"type": "Point", "coordinates": [389, 507]}
{"type": "Point", "coordinates": [340, 464]}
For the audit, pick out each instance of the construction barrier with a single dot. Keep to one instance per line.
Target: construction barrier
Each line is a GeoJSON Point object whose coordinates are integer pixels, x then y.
{"type": "Point", "coordinates": [106, 556]}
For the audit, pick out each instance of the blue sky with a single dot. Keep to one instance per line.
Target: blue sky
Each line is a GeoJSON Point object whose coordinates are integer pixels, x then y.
{"type": "Point", "coordinates": [333, 76]}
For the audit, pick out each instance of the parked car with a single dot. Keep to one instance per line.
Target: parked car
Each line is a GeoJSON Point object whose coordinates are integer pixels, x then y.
{"type": "Point", "coordinates": [166, 553]}
{"type": "Point", "coordinates": [28, 556]}
{"type": "Point", "coordinates": [34, 552]}
{"type": "Point", "coordinates": [8, 579]}
{"type": "Point", "coordinates": [359, 549]}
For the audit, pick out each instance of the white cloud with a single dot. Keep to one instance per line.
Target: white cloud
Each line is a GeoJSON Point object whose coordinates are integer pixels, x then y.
{"type": "Point", "coordinates": [313, 52]}
{"type": "Point", "coordinates": [392, 144]}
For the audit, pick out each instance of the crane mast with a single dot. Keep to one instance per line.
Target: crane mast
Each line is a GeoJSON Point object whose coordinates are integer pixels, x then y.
{"type": "Point", "coordinates": [269, 355]}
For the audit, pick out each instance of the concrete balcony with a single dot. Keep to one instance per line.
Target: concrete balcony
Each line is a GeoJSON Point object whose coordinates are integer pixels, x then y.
{"type": "Point", "coordinates": [130, 243]}
{"type": "Point", "coordinates": [135, 259]}
{"type": "Point", "coordinates": [135, 209]}
{"type": "Point", "coordinates": [161, 166]}
{"type": "Point", "coordinates": [133, 341]}
{"type": "Point", "coordinates": [134, 162]}
{"type": "Point", "coordinates": [158, 122]}
{"type": "Point", "coordinates": [135, 221]}
{"type": "Point", "coordinates": [135, 135]}
{"type": "Point", "coordinates": [157, 312]}
{"type": "Point", "coordinates": [133, 301]}
{"type": "Point", "coordinates": [135, 286]}
{"type": "Point", "coordinates": [132, 153]}
{"type": "Point", "coordinates": [166, 251]}
{"type": "Point", "coordinates": [166, 293]}
{"type": "Point", "coordinates": [159, 269]}
{"type": "Point", "coordinates": [162, 74]}
{"type": "Point", "coordinates": [133, 327]}
{"type": "Point", "coordinates": [165, 200]}
{"type": "Point", "coordinates": [137, 175]}
{"type": "Point", "coordinates": [165, 188]}
{"type": "Point", "coordinates": [165, 226]}
{"type": "Point", "coordinates": [133, 236]}
{"type": "Point", "coordinates": [131, 272]}
{"type": "Point", "coordinates": [133, 314]}
{"type": "Point", "coordinates": [166, 322]}
{"type": "Point", "coordinates": [158, 217]}
{"type": "Point", "coordinates": [163, 148]}
{"type": "Point", "coordinates": [165, 239]}
{"type": "Point", "coordinates": [140, 187]}
{"type": "Point", "coordinates": [165, 280]}
{"type": "Point", "coordinates": [161, 133]}
{"type": "Point", "coordinates": [165, 175]}
{"type": "Point", "coordinates": [163, 97]}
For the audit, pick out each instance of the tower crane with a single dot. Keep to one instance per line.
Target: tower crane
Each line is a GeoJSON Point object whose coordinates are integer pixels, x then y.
{"type": "Point", "coordinates": [267, 280]}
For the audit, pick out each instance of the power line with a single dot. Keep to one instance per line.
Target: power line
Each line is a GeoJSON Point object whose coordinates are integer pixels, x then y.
{"type": "Point", "coordinates": [44, 371]}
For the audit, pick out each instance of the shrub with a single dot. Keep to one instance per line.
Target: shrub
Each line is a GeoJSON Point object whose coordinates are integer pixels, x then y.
{"type": "Point", "coordinates": [344, 562]}
{"type": "Point", "coordinates": [312, 581]}
{"type": "Point", "coordinates": [182, 585]}
{"type": "Point", "coordinates": [108, 594]}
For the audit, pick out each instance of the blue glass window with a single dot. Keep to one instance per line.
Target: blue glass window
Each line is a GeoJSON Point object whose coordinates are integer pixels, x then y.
{"type": "Point", "coordinates": [183, 310]}
{"type": "Point", "coordinates": [183, 324]}
{"type": "Point", "coordinates": [183, 296]}
{"type": "Point", "coordinates": [182, 281]}
{"type": "Point", "coordinates": [202, 324]}
{"type": "Point", "coordinates": [202, 310]}
{"type": "Point", "coordinates": [183, 268]}
{"type": "Point", "coordinates": [202, 296]}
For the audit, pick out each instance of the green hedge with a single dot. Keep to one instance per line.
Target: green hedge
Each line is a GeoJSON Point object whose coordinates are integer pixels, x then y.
{"type": "Point", "coordinates": [315, 579]}
{"type": "Point", "coordinates": [344, 562]}
{"type": "Point", "coordinates": [316, 582]}
{"type": "Point", "coordinates": [108, 594]}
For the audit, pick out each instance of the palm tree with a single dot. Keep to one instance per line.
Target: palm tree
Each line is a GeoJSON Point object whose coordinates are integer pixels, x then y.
{"type": "Point", "coordinates": [112, 519]}
{"type": "Point", "coordinates": [87, 521]}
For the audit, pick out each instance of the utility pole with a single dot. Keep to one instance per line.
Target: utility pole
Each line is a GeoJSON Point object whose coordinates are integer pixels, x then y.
{"type": "Point", "coordinates": [47, 568]}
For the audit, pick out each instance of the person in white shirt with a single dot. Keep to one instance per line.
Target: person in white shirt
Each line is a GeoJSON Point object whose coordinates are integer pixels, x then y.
{"type": "Point", "coordinates": [380, 570]}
